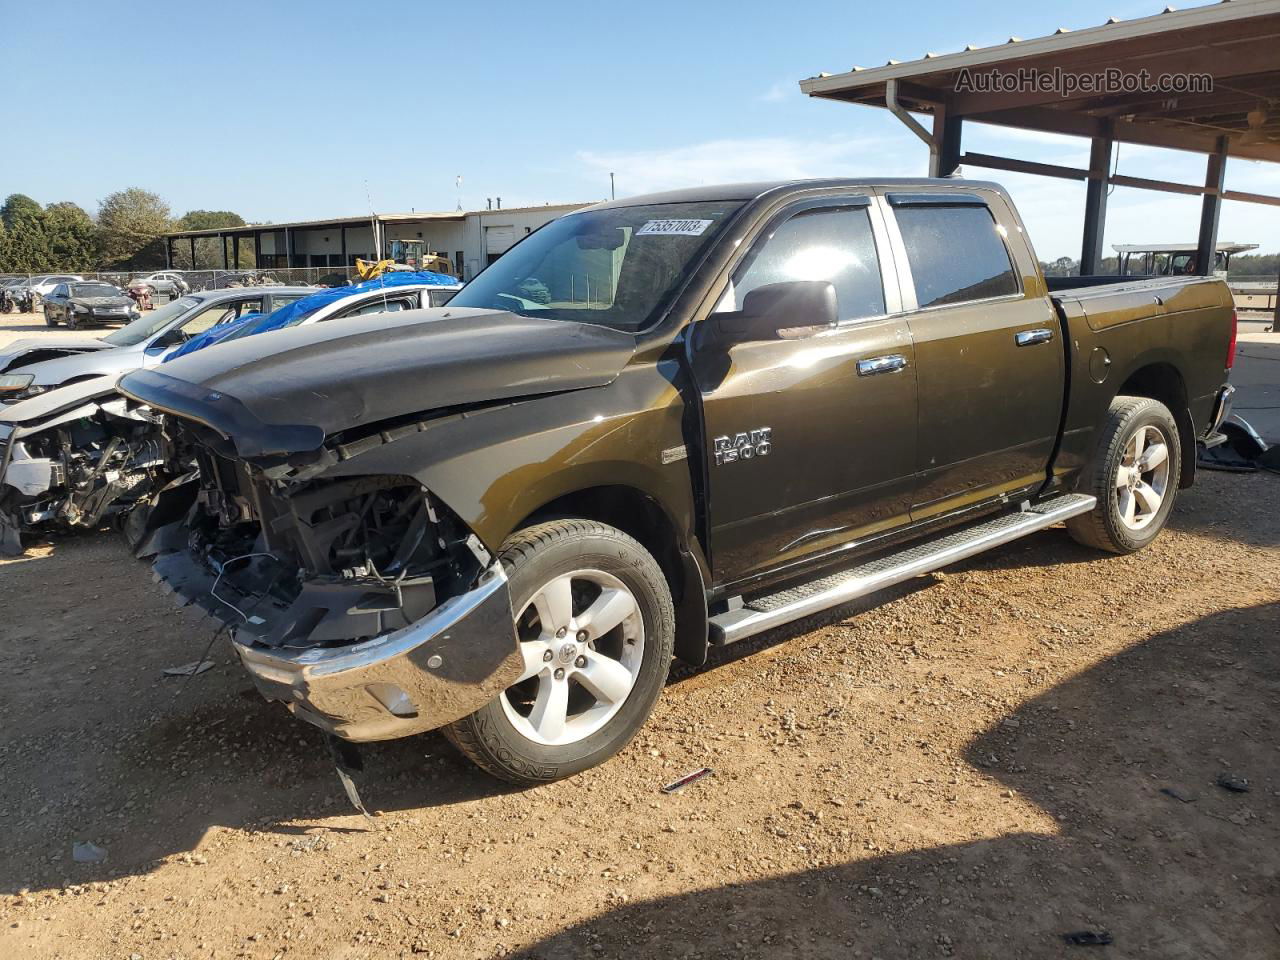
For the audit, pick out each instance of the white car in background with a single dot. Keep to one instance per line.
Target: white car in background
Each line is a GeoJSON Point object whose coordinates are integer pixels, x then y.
{"type": "Point", "coordinates": [44, 283]}
{"type": "Point", "coordinates": [168, 282]}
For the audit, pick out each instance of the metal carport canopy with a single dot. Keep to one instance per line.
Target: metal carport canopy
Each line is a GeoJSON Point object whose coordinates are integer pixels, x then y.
{"type": "Point", "coordinates": [1235, 42]}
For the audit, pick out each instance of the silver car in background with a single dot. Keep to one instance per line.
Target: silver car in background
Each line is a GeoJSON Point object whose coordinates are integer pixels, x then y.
{"type": "Point", "coordinates": [33, 366]}
{"type": "Point", "coordinates": [168, 282]}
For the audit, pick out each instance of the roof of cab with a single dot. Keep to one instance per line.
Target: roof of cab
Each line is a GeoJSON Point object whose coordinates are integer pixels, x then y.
{"type": "Point", "coordinates": [757, 189]}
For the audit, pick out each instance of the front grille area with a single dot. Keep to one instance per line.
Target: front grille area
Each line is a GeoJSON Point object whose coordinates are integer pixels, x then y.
{"type": "Point", "coordinates": [317, 563]}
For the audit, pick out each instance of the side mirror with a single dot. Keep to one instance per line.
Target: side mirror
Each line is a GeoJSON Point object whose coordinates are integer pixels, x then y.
{"type": "Point", "coordinates": [172, 338]}
{"type": "Point", "coordinates": [769, 310]}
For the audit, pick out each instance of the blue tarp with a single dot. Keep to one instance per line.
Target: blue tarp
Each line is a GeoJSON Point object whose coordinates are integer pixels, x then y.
{"type": "Point", "coordinates": [294, 313]}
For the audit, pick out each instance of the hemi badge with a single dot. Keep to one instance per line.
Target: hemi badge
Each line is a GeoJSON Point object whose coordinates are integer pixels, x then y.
{"type": "Point", "coordinates": [672, 454]}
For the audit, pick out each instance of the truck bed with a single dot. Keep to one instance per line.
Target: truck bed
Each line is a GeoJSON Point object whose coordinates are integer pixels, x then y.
{"type": "Point", "coordinates": [1079, 288]}
{"type": "Point", "coordinates": [1170, 337]}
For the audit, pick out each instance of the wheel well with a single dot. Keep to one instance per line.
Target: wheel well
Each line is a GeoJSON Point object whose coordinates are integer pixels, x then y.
{"type": "Point", "coordinates": [638, 515]}
{"type": "Point", "coordinates": [1163, 382]}
{"type": "Point", "coordinates": [632, 512]}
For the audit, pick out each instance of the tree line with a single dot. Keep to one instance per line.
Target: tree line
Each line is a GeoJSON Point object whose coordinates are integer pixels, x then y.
{"type": "Point", "coordinates": [126, 234]}
{"type": "Point", "coordinates": [1264, 266]}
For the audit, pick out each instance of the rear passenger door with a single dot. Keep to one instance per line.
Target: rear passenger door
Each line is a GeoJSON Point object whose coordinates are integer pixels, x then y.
{"type": "Point", "coordinates": [990, 364]}
{"type": "Point", "coordinates": [811, 435]}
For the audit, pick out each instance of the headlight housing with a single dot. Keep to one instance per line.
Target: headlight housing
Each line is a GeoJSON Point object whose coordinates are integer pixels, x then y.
{"type": "Point", "coordinates": [12, 384]}
{"type": "Point", "coordinates": [79, 308]}
{"type": "Point", "coordinates": [18, 386]}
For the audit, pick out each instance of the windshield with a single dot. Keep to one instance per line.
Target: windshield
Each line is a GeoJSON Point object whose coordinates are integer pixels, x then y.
{"type": "Point", "coordinates": [148, 326]}
{"type": "Point", "coordinates": [615, 267]}
{"type": "Point", "coordinates": [94, 290]}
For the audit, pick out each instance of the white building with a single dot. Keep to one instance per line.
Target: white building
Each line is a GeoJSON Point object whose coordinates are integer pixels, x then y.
{"type": "Point", "coordinates": [470, 239]}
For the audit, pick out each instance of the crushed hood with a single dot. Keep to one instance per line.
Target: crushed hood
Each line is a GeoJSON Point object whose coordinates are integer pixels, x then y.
{"type": "Point", "coordinates": [76, 399]}
{"type": "Point", "coordinates": [31, 350]}
{"type": "Point", "coordinates": [286, 391]}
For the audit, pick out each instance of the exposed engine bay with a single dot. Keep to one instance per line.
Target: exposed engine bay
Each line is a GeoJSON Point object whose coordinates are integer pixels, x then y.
{"type": "Point", "coordinates": [77, 470]}
{"type": "Point", "coordinates": [296, 564]}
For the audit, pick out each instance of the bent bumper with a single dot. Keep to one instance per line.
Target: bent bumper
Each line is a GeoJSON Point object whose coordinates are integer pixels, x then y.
{"type": "Point", "coordinates": [439, 669]}
{"type": "Point", "coordinates": [1221, 408]}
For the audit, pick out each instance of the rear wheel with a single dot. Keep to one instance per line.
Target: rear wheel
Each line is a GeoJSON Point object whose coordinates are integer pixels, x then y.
{"type": "Point", "coordinates": [595, 623]}
{"type": "Point", "coordinates": [1134, 476]}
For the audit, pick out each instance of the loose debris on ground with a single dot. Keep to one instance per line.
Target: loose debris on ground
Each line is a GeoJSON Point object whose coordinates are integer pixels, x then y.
{"type": "Point", "coordinates": [969, 768]}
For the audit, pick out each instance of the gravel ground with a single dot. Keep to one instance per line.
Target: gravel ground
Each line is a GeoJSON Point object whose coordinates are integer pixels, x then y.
{"type": "Point", "coordinates": [982, 760]}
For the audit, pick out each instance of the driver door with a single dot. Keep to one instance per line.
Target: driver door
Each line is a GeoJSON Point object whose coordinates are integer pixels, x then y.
{"type": "Point", "coordinates": [811, 434]}
{"type": "Point", "coordinates": [224, 311]}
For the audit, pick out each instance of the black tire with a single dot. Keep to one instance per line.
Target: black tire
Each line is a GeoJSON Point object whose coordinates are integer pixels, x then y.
{"type": "Point", "coordinates": [48, 318]}
{"type": "Point", "coordinates": [533, 557]}
{"type": "Point", "coordinates": [1104, 527]}
{"type": "Point", "coordinates": [72, 322]}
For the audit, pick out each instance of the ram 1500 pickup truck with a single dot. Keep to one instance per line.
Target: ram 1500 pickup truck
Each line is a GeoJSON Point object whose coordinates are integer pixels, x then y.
{"type": "Point", "coordinates": [657, 425]}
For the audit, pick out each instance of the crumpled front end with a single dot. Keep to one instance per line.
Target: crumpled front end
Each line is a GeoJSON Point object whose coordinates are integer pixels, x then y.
{"type": "Point", "coordinates": [361, 603]}
{"type": "Point", "coordinates": [76, 469]}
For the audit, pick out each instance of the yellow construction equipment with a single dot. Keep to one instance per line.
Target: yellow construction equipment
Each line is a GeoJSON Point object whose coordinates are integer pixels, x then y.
{"type": "Point", "coordinates": [368, 269]}
{"type": "Point", "coordinates": [404, 255]}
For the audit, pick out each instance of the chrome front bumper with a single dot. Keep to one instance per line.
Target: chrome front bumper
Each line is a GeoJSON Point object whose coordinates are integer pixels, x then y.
{"type": "Point", "coordinates": [441, 668]}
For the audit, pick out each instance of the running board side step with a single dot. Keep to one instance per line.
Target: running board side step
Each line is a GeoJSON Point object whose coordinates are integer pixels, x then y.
{"type": "Point", "coordinates": [764, 613]}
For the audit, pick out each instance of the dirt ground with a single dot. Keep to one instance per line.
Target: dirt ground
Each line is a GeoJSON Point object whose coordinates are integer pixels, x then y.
{"type": "Point", "coordinates": [972, 765]}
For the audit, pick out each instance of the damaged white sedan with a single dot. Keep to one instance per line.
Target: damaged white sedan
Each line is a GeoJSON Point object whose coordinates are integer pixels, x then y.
{"type": "Point", "coordinates": [74, 457]}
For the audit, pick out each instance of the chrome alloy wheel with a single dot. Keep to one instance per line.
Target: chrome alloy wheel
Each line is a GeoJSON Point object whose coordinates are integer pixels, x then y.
{"type": "Point", "coordinates": [1142, 477]}
{"type": "Point", "coordinates": [582, 641]}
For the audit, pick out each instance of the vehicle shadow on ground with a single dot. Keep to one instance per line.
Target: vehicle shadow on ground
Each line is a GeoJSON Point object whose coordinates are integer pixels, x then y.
{"type": "Point", "coordinates": [228, 758]}
{"type": "Point", "coordinates": [1094, 753]}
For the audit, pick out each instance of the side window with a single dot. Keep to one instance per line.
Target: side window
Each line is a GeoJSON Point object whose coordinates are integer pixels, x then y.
{"type": "Point", "coordinates": [376, 306]}
{"type": "Point", "coordinates": [438, 298]}
{"type": "Point", "coordinates": [220, 313]}
{"type": "Point", "coordinates": [956, 254]}
{"type": "Point", "coordinates": [279, 300]}
{"type": "Point", "coordinates": [60, 290]}
{"type": "Point", "coordinates": [832, 244]}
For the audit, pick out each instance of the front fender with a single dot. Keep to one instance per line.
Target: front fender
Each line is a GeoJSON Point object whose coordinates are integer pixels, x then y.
{"type": "Point", "coordinates": [496, 466]}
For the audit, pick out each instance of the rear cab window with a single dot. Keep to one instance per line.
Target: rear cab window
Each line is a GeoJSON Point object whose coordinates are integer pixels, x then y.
{"type": "Point", "coordinates": [955, 249]}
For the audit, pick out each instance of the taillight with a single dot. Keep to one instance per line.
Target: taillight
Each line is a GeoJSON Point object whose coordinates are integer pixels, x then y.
{"type": "Point", "coordinates": [1231, 346]}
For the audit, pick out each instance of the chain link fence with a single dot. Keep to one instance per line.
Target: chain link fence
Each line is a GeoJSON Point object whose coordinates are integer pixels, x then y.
{"type": "Point", "coordinates": [220, 279]}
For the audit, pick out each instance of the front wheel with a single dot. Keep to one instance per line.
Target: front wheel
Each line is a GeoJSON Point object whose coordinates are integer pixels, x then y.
{"type": "Point", "coordinates": [596, 624]}
{"type": "Point", "coordinates": [1134, 476]}
{"type": "Point", "coordinates": [48, 318]}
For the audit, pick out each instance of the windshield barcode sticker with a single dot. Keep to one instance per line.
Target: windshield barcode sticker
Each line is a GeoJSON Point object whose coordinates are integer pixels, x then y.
{"type": "Point", "coordinates": [674, 228]}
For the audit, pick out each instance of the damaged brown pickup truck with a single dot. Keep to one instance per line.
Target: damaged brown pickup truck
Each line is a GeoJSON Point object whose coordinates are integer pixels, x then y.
{"type": "Point", "coordinates": [653, 426]}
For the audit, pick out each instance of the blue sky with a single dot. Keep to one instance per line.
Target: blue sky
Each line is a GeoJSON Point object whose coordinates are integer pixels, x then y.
{"type": "Point", "coordinates": [283, 110]}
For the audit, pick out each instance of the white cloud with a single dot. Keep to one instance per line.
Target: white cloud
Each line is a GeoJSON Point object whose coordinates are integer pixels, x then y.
{"type": "Point", "coordinates": [736, 160]}
{"type": "Point", "coordinates": [1052, 209]}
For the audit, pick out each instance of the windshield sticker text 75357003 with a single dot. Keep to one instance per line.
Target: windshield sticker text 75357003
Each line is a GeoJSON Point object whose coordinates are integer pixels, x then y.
{"type": "Point", "coordinates": [674, 228]}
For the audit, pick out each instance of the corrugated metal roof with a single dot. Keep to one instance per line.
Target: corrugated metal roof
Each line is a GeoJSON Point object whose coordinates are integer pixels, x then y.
{"type": "Point", "coordinates": [1224, 55]}
{"type": "Point", "coordinates": [425, 217]}
{"type": "Point", "coordinates": [1061, 39]}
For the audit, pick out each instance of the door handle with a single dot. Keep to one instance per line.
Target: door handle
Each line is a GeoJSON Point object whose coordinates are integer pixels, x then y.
{"type": "Point", "coordinates": [874, 365]}
{"type": "Point", "coordinates": [1025, 338]}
